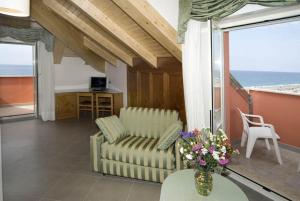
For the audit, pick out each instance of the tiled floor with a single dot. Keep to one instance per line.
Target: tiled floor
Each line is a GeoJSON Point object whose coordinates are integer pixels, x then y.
{"type": "Point", "coordinates": [49, 161]}
{"type": "Point", "coordinates": [264, 168]}
{"type": "Point", "coordinates": [12, 110]}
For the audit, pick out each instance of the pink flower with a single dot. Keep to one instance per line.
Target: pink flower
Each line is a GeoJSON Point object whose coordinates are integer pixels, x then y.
{"type": "Point", "coordinates": [196, 132]}
{"type": "Point", "coordinates": [223, 161]}
{"type": "Point", "coordinates": [197, 147]}
{"type": "Point", "coordinates": [211, 149]}
{"type": "Point", "coordinates": [202, 162]}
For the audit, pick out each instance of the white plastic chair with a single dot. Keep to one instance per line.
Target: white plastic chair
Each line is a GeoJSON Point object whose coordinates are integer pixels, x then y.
{"type": "Point", "coordinates": [259, 130]}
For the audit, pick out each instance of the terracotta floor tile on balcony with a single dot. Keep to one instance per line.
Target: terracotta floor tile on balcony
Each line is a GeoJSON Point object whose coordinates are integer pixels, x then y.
{"type": "Point", "coordinates": [263, 168]}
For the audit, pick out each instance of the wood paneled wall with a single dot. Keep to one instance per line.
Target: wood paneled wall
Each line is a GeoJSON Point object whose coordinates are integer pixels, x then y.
{"type": "Point", "coordinates": [156, 87]}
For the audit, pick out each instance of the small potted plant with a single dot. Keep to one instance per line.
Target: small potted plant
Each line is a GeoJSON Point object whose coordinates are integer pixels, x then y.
{"type": "Point", "coordinates": [206, 152]}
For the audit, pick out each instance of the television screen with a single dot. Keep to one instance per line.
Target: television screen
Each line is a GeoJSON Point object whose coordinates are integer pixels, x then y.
{"type": "Point", "coordinates": [98, 82]}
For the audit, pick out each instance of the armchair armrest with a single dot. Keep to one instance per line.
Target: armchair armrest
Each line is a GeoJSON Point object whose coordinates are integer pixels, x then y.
{"type": "Point", "coordinates": [178, 158]}
{"type": "Point", "coordinates": [261, 120]}
{"type": "Point", "coordinates": [255, 123]}
{"type": "Point", "coordinates": [262, 124]}
{"type": "Point", "coordinates": [95, 150]}
{"type": "Point", "coordinates": [275, 136]}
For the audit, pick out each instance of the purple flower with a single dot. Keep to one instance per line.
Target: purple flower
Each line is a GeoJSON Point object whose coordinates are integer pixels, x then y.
{"type": "Point", "coordinates": [211, 149]}
{"type": "Point", "coordinates": [223, 161]}
{"type": "Point", "coordinates": [197, 147]}
{"type": "Point", "coordinates": [186, 135]}
{"type": "Point", "coordinates": [202, 162]}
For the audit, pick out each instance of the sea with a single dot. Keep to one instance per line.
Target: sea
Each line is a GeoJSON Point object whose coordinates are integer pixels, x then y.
{"type": "Point", "coordinates": [245, 78]}
{"type": "Point", "coordinates": [15, 70]}
{"type": "Point", "coordinates": [265, 78]}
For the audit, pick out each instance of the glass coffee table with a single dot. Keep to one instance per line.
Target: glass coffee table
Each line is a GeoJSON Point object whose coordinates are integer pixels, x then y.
{"type": "Point", "coordinates": [180, 186]}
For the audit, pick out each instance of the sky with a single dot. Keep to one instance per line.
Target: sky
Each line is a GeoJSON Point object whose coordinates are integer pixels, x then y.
{"type": "Point", "coordinates": [267, 48]}
{"type": "Point", "coordinates": [15, 54]}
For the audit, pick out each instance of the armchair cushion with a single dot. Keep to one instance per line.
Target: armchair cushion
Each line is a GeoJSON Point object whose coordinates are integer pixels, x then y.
{"type": "Point", "coordinates": [170, 135]}
{"type": "Point", "coordinates": [112, 128]}
{"type": "Point", "coordinates": [139, 151]}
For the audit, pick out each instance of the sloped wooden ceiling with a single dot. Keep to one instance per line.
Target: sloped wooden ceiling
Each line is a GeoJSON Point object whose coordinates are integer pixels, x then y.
{"type": "Point", "coordinates": [150, 20]}
{"type": "Point", "coordinates": [98, 49]}
{"type": "Point", "coordinates": [98, 30]}
{"type": "Point", "coordinates": [66, 33]}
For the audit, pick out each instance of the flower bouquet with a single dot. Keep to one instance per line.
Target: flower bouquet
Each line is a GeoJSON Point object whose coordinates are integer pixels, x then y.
{"type": "Point", "coordinates": [206, 152]}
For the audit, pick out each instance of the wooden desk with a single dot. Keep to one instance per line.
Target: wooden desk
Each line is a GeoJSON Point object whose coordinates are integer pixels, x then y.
{"type": "Point", "coordinates": [66, 103]}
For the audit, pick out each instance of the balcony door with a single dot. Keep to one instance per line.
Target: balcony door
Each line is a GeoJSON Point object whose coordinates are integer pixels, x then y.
{"type": "Point", "coordinates": [18, 95]}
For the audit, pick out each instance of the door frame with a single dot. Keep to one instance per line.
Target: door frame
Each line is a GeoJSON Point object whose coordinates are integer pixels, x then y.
{"type": "Point", "coordinates": [252, 19]}
{"type": "Point", "coordinates": [244, 21]}
{"type": "Point", "coordinates": [35, 75]}
{"type": "Point", "coordinates": [220, 53]}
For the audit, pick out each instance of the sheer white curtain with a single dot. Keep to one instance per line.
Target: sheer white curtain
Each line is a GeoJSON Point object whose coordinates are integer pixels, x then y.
{"type": "Point", "coordinates": [45, 83]}
{"type": "Point", "coordinates": [197, 74]}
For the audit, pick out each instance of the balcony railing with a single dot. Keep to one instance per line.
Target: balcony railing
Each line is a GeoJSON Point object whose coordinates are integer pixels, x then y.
{"type": "Point", "coordinates": [16, 95]}
{"type": "Point", "coordinates": [280, 109]}
{"type": "Point", "coordinates": [242, 92]}
{"type": "Point", "coordinates": [16, 90]}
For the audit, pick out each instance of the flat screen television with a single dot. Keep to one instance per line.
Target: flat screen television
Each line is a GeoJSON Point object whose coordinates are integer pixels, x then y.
{"type": "Point", "coordinates": [98, 83]}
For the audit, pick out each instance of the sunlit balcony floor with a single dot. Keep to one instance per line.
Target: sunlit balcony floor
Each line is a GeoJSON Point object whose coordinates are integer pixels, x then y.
{"type": "Point", "coordinates": [14, 110]}
{"type": "Point", "coordinates": [264, 169]}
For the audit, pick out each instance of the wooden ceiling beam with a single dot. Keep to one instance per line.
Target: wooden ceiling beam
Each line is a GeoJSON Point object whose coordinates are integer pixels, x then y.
{"type": "Point", "coordinates": [58, 51]}
{"type": "Point", "coordinates": [69, 53]}
{"type": "Point", "coordinates": [16, 22]}
{"type": "Point", "coordinates": [150, 20]}
{"type": "Point", "coordinates": [90, 29]}
{"type": "Point", "coordinates": [102, 52]}
{"type": "Point", "coordinates": [65, 32]}
{"type": "Point", "coordinates": [97, 14]}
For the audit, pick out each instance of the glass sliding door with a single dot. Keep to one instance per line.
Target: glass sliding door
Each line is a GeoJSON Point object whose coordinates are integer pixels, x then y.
{"type": "Point", "coordinates": [18, 95]}
{"type": "Point", "coordinates": [217, 79]}
{"type": "Point", "coordinates": [262, 61]}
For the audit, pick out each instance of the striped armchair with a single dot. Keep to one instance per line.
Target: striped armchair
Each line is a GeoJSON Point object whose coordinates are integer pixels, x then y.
{"type": "Point", "coordinates": [137, 155]}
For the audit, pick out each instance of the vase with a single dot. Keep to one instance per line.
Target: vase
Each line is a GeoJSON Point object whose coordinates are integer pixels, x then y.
{"type": "Point", "coordinates": [203, 182]}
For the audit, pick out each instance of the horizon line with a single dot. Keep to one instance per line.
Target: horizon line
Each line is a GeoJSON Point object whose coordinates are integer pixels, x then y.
{"type": "Point", "coordinates": [267, 71]}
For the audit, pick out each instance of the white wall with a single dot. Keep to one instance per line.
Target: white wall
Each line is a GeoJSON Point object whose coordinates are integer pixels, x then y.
{"type": "Point", "coordinates": [74, 74]}
{"type": "Point", "coordinates": [117, 77]}
{"type": "Point", "coordinates": [169, 9]}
